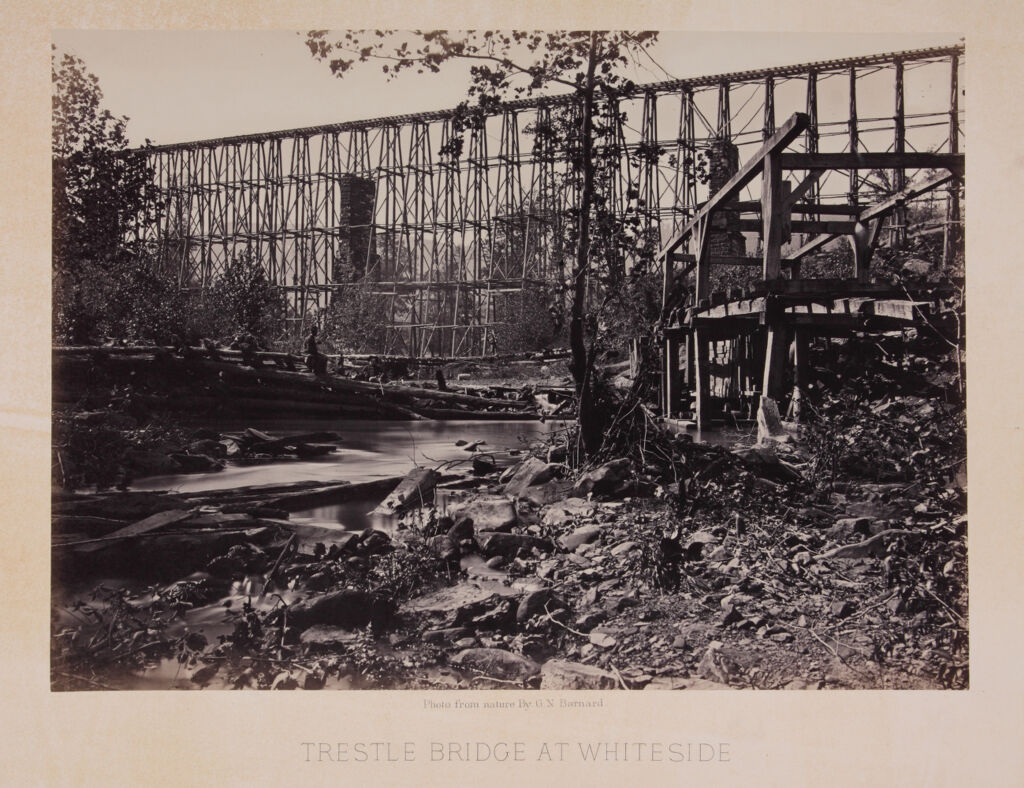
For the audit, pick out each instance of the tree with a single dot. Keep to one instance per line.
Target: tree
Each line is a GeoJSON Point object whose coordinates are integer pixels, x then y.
{"type": "Point", "coordinates": [101, 190]}
{"type": "Point", "coordinates": [589, 65]}
{"type": "Point", "coordinates": [102, 198]}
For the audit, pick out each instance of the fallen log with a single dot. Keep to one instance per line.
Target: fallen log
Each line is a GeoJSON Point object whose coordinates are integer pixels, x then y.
{"type": "Point", "coordinates": [448, 414]}
{"type": "Point", "coordinates": [149, 524]}
{"type": "Point", "coordinates": [333, 494]}
{"type": "Point", "coordinates": [414, 490]}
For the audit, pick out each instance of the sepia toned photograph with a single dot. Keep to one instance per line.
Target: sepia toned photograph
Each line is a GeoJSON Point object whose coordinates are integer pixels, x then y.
{"type": "Point", "coordinates": [508, 359]}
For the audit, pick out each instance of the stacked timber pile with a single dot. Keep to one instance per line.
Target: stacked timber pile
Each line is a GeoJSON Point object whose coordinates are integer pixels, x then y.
{"type": "Point", "coordinates": [217, 382]}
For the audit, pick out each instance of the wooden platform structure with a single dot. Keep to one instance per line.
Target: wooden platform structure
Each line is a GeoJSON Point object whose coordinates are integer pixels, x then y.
{"type": "Point", "coordinates": [780, 311]}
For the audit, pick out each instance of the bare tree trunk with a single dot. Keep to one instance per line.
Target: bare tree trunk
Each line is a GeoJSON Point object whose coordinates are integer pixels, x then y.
{"type": "Point", "coordinates": [588, 418]}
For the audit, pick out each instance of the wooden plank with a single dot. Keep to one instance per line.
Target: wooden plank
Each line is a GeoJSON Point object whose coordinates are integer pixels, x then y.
{"type": "Point", "coordinates": [911, 311]}
{"type": "Point", "coordinates": [873, 161]}
{"type": "Point", "coordinates": [747, 306]}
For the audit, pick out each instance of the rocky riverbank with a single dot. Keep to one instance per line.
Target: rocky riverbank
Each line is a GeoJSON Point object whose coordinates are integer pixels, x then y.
{"type": "Point", "coordinates": [742, 575]}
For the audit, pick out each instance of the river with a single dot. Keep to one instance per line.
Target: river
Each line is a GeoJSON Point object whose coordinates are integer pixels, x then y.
{"type": "Point", "coordinates": [369, 450]}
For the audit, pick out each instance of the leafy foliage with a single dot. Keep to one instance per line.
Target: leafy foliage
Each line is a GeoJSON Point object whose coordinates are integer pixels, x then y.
{"type": "Point", "coordinates": [246, 301]}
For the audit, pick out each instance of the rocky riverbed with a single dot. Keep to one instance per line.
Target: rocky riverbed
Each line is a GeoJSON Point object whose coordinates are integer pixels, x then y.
{"type": "Point", "coordinates": [741, 575]}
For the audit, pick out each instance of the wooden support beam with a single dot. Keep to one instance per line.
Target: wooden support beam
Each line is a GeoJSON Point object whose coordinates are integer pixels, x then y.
{"type": "Point", "coordinates": [799, 371]}
{"type": "Point", "coordinates": [774, 362]}
{"type": "Point", "coordinates": [954, 162]}
{"type": "Point", "coordinates": [702, 283]}
{"type": "Point", "coordinates": [702, 380]}
{"type": "Point", "coordinates": [670, 387]}
{"type": "Point", "coordinates": [792, 206]}
{"type": "Point", "coordinates": [735, 259]}
{"type": "Point", "coordinates": [863, 240]}
{"type": "Point", "coordinates": [688, 376]}
{"type": "Point", "coordinates": [801, 190]}
{"type": "Point", "coordinates": [771, 216]}
{"type": "Point", "coordinates": [884, 207]}
{"type": "Point", "coordinates": [873, 212]}
{"type": "Point", "coordinates": [750, 306]}
{"type": "Point", "coordinates": [802, 226]}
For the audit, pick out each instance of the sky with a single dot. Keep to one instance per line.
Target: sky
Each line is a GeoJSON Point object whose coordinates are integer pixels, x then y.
{"type": "Point", "coordinates": [177, 86]}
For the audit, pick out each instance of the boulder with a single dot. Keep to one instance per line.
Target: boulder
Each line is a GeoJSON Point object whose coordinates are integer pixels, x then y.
{"type": "Point", "coordinates": [763, 462]}
{"type": "Point", "coordinates": [559, 675]}
{"type": "Point", "coordinates": [488, 513]}
{"type": "Point", "coordinates": [547, 493]}
{"type": "Point", "coordinates": [623, 547]}
{"type": "Point", "coordinates": [916, 267]}
{"type": "Point", "coordinates": [493, 543]}
{"type": "Point", "coordinates": [496, 663]}
{"type": "Point", "coordinates": [726, 665]}
{"type": "Point", "coordinates": [530, 471]}
{"type": "Point", "coordinates": [347, 608]}
{"type": "Point", "coordinates": [207, 446]}
{"type": "Point", "coordinates": [609, 479]}
{"type": "Point", "coordinates": [462, 529]}
{"type": "Point", "coordinates": [374, 542]}
{"type": "Point", "coordinates": [483, 464]}
{"type": "Point", "coordinates": [326, 638]}
{"type": "Point", "coordinates": [537, 603]}
{"type": "Point", "coordinates": [584, 535]}
{"type": "Point", "coordinates": [848, 526]}
{"type": "Point", "coordinates": [445, 547]}
{"type": "Point", "coordinates": [568, 510]}
{"type": "Point", "coordinates": [449, 635]}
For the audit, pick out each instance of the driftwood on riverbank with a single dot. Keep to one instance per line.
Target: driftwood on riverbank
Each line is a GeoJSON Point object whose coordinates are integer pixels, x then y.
{"type": "Point", "coordinates": [219, 382]}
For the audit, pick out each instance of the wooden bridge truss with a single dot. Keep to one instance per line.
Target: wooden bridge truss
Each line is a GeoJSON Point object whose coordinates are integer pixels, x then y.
{"type": "Point", "coordinates": [778, 312]}
{"type": "Point", "coordinates": [447, 238]}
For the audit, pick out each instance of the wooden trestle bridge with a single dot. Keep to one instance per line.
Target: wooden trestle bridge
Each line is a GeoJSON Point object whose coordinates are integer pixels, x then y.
{"type": "Point", "coordinates": [447, 243]}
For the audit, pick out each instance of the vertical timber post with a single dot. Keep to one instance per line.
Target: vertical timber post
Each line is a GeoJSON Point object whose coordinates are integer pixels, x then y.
{"type": "Point", "coordinates": [701, 372]}
{"type": "Point", "coordinates": [899, 177]}
{"type": "Point", "coordinates": [952, 233]}
{"type": "Point", "coordinates": [864, 238]}
{"type": "Point", "coordinates": [854, 137]}
{"type": "Point", "coordinates": [799, 370]}
{"type": "Point", "coordinates": [771, 212]}
{"type": "Point", "coordinates": [671, 387]}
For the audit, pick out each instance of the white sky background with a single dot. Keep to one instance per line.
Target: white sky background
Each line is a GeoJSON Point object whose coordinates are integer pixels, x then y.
{"type": "Point", "coordinates": [177, 86]}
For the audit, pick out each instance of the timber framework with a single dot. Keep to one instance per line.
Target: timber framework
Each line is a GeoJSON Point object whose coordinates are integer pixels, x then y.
{"type": "Point", "coordinates": [452, 246]}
